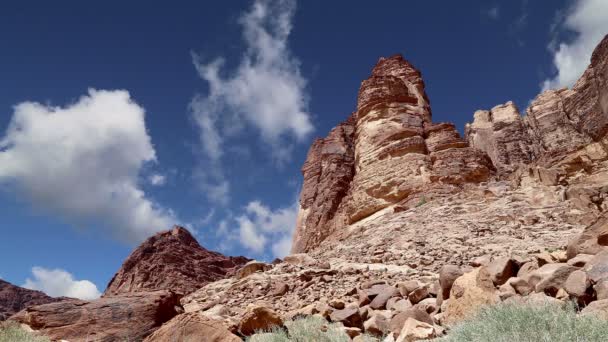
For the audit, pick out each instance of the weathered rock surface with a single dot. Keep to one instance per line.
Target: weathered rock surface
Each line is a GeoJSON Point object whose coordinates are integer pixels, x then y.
{"type": "Point", "coordinates": [171, 260]}
{"type": "Point", "coordinates": [14, 299]}
{"type": "Point", "coordinates": [131, 316]}
{"type": "Point", "coordinates": [192, 327]}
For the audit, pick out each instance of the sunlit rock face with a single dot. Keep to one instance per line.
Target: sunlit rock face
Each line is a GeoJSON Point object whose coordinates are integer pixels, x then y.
{"type": "Point", "coordinates": [387, 150]}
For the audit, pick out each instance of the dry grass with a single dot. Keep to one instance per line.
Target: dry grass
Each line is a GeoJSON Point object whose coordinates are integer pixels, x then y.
{"type": "Point", "coordinates": [529, 323]}
{"type": "Point", "coordinates": [10, 332]}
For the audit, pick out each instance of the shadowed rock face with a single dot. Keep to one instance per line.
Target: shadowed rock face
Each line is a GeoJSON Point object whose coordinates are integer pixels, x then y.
{"type": "Point", "coordinates": [171, 260]}
{"type": "Point", "coordinates": [14, 299]}
{"type": "Point", "coordinates": [126, 317]}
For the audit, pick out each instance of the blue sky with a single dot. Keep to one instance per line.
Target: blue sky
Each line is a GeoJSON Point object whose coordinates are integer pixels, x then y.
{"type": "Point", "coordinates": [118, 119]}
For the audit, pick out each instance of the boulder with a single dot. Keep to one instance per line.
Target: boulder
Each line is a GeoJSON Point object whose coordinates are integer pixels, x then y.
{"type": "Point", "coordinates": [397, 322]}
{"type": "Point", "coordinates": [447, 275]}
{"type": "Point", "coordinates": [597, 267]}
{"type": "Point", "coordinates": [521, 286]}
{"type": "Point", "coordinates": [349, 316]}
{"type": "Point", "coordinates": [130, 316]}
{"type": "Point", "coordinates": [501, 269]}
{"type": "Point", "coordinates": [601, 289]}
{"type": "Point", "coordinates": [589, 242]}
{"type": "Point", "coordinates": [418, 294]}
{"type": "Point", "coordinates": [377, 324]}
{"type": "Point", "coordinates": [192, 327]}
{"type": "Point", "coordinates": [414, 330]}
{"type": "Point", "coordinates": [398, 304]}
{"type": "Point", "coordinates": [577, 284]}
{"type": "Point", "coordinates": [527, 268]}
{"type": "Point", "coordinates": [386, 293]}
{"type": "Point", "coordinates": [258, 318]}
{"type": "Point", "coordinates": [251, 268]}
{"type": "Point", "coordinates": [580, 260]}
{"type": "Point", "coordinates": [550, 278]}
{"type": "Point", "coordinates": [408, 286]}
{"type": "Point", "coordinates": [469, 293]}
{"type": "Point", "coordinates": [598, 308]}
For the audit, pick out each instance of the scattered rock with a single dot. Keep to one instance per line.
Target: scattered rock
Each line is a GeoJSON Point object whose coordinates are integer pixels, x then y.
{"type": "Point", "coordinates": [258, 318]}
{"type": "Point", "coordinates": [501, 269]}
{"type": "Point", "coordinates": [414, 330]}
{"type": "Point", "coordinates": [350, 317]}
{"type": "Point", "coordinates": [447, 276]}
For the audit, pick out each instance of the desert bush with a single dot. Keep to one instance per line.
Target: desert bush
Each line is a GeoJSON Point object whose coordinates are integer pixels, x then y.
{"type": "Point", "coordinates": [529, 323]}
{"type": "Point", "coordinates": [305, 329]}
{"type": "Point", "coordinates": [10, 332]}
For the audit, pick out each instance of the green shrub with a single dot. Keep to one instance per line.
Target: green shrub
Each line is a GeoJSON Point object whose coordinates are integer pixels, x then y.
{"type": "Point", "coordinates": [13, 333]}
{"type": "Point", "coordinates": [311, 328]}
{"type": "Point", "coordinates": [529, 323]}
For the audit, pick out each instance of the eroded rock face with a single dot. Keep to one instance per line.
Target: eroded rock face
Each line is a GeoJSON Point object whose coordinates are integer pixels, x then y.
{"type": "Point", "coordinates": [387, 151]}
{"type": "Point", "coordinates": [564, 127]}
{"type": "Point", "coordinates": [171, 260]}
{"type": "Point", "coordinates": [129, 317]}
{"type": "Point", "coordinates": [14, 299]}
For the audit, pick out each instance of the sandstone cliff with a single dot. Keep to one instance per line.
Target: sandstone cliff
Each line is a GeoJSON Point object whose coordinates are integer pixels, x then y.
{"type": "Point", "coordinates": [389, 153]}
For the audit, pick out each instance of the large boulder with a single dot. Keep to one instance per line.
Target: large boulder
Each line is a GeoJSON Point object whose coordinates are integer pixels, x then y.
{"type": "Point", "coordinates": [550, 277]}
{"type": "Point", "coordinates": [414, 330]}
{"type": "Point", "coordinates": [470, 292]}
{"type": "Point", "coordinates": [447, 276]}
{"type": "Point", "coordinates": [397, 322]}
{"type": "Point", "coordinates": [192, 327]}
{"type": "Point", "coordinates": [592, 240]}
{"type": "Point", "coordinates": [597, 267]}
{"type": "Point", "coordinates": [131, 316]}
{"type": "Point", "coordinates": [258, 318]}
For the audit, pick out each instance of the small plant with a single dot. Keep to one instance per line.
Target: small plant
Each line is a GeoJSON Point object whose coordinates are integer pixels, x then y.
{"type": "Point", "coordinates": [311, 328]}
{"type": "Point", "coordinates": [529, 323]}
{"type": "Point", "coordinates": [11, 332]}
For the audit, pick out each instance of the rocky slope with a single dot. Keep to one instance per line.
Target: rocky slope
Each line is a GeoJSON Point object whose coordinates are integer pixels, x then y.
{"type": "Point", "coordinates": [171, 260]}
{"type": "Point", "coordinates": [14, 299]}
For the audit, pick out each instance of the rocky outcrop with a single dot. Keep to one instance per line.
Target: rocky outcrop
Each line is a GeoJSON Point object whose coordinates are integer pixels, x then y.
{"type": "Point", "coordinates": [14, 299]}
{"type": "Point", "coordinates": [386, 152]}
{"type": "Point", "coordinates": [171, 260]}
{"type": "Point", "coordinates": [129, 317]}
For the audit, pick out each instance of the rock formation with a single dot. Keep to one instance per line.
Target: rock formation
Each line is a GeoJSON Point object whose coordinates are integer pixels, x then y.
{"type": "Point", "coordinates": [14, 299]}
{"type": "Point", "coordinates": [171, 260]}
{"type": "Point", "coordinates": [125, 317]}
{"type": "Point", "coordinates": [386, 152]}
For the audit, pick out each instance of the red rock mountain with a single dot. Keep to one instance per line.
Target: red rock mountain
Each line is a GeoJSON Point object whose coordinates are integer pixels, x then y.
{"type": "Point", "coordinates": [390, 153]}
{"type": "Point", "coordinates": [14, 299]}
{"type": "Point", "coordinates": [171, 260]}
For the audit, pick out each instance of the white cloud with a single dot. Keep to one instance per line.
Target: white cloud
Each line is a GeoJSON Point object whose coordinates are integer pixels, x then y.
{"type": "Point", "coordinates": [260, 226]}
{"type": "Point", "coordinates": [157, 179]}
{"type": "Point", "coordinates": [588, 19]}
{"type": "Point", "coordinates": [82, 162]}
{"type": "Point", "coordinates": [266, 91]}
{"type": "Point", "coordinates": [60, 283]}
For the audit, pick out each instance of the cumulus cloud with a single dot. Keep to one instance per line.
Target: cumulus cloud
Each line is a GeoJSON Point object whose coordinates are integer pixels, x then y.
{"type": "Point", "coordinates": [82, 162]}
{"type": "Point", "coordinates": [266, 91]}
{"type": "Point", "coordinates": [260, 229]}
{"type": "Point", "coordinates": [157, 179]}
{"type": "Point", "coordinates": [60, 283]}
{"type": "Point", "coordinates": [588, 20]}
